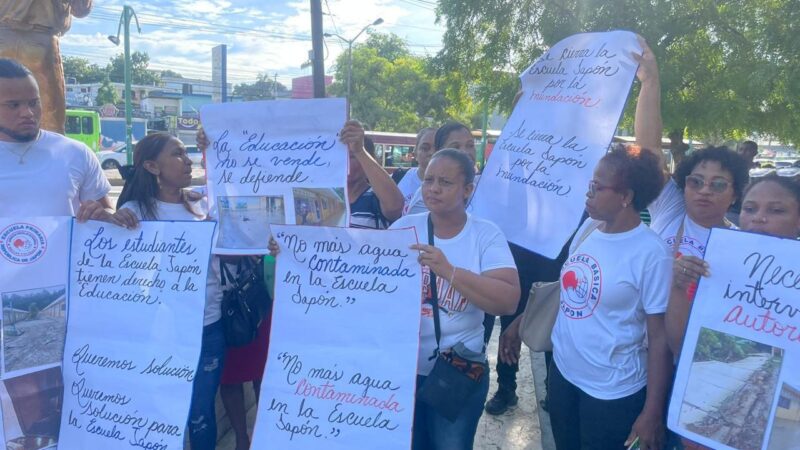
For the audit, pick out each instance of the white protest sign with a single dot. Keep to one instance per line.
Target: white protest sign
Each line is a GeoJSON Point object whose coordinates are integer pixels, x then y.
{"type": "Point", "coordinates": [533, 185]}
{"type": "Point", "coordinates": [342, 364]}
{"type": "Point", "coordinates": [34, 254]}
{"type": "Point", "coordinates": [136, 301]}
{"type": "Point", "coordinates": [274, 162]}
{"type": "Point", "coordinates": [738, 379]}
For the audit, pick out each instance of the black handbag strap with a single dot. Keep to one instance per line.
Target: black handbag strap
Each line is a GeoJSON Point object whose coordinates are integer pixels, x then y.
{"type": "Point", "coordinates": [434, 295]}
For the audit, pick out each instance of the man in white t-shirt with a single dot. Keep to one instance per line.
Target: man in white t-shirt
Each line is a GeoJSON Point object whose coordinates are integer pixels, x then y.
{"type": "Point", "coordinates": [43, 173]}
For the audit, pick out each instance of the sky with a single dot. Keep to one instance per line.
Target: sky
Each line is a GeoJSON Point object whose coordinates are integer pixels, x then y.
{"type": "Point", "coordinates": [263, 36]}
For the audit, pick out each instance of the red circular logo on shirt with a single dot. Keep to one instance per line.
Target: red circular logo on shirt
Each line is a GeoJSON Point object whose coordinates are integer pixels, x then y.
{"type": "Point", "coordinates": [22, 243]}
{"type": "Point", "coordinates": [581, 281]}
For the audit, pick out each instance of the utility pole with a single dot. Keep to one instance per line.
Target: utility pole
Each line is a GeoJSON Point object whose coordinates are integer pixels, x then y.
{"type": "Point", "coordinates": [318, 70]}
{"type": "Point", "coordinates": [275, 87]}
{"type": "Point", "coordinates": [125, 20]}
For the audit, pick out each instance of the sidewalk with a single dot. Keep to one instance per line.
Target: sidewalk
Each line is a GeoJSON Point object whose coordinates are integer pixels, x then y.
{"type": "Point", "coordinates": [518, 429]}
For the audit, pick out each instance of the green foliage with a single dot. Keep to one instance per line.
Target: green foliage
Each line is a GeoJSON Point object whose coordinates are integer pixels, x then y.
{"type": "Point", "coordinates": [82, 70]}
{"type": "Point", "coordinates": [716, 346]}
{"type": "Point", "coordinates": [393, 90]}
{"type": "Point", "coordinates": [264, 88]}
{"type": "Point", "coordinates": [107, 94]}
{"type": "Point", "coordinates": [728, 68]}
{"type": "Point", "coordinates": [140, 74]}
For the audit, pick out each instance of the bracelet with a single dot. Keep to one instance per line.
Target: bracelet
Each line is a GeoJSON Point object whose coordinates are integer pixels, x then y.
{"type": "Point", "coordinates": [453, 276]}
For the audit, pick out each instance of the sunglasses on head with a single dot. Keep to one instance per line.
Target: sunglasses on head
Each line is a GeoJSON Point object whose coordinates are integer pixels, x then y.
{"type": "Point", "coordinates": [717, 185]}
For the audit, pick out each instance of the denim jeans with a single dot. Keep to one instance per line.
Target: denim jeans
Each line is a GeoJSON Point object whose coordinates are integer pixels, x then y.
{"type": "Point", "coordinates": [202, 417]}
{"type": "Point", "coordinates": [582, 422]}
{"type": "Point", "coordinates": [434, 432]}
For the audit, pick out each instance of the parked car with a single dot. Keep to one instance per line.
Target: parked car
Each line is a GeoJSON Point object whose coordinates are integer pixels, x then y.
{"type": "Point", "coordinates": [114, 159]}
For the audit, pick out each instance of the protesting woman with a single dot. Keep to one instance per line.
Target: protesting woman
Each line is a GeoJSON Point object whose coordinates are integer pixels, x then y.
{"type": "Point", "coordinates": [155, 190]}
{"type": "Point", "coordinates": [412, 179]}
{"type": "Point", "coordinates": [771, 206]}
{"type": "Point", "coordinates": [475, 273]}
{"type": "Point", "coordinates": [375, 201]}
{"type": "Point", "coordinates": [611, 365]}
{"type": "Point", "coordinates": [453, 135]}
{"type": "Point", "coordinates": [705, 185]}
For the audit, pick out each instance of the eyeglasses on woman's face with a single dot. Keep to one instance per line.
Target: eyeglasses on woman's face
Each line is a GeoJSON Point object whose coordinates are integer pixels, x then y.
{"type": "Point", "coordinates": [595, 187]}
{"type": "Point", "coordinates": [716, 185]}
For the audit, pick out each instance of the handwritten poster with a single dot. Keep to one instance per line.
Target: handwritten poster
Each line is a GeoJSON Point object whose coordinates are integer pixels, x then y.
{"type": "Point", "coordinates": [274, 162]}
{"type": "Point", "coordinates": [535, 181]}
{"type": "Point", "coordinates": [136, 301]}
{"type": "Point", "coordinates": [33, 284]}
{"type": "Point", "coordinates": [738, 380]}
{"type": "Point", "coordinates": [341, 370]}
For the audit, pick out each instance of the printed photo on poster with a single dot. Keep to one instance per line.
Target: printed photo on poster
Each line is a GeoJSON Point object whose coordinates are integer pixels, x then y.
{"type": "Point", "coordinates": [732, 380]}
{"type": "Point", "coordinates": [32, 408]}
{"type": "Point", "coordinates": [244, 220]}
{"type": "Point", "coordinates": [325, 207]}
{"type": "Point", "coordinates": [786, 420]}
{"type": "Point", "coordinates": [34, 323]}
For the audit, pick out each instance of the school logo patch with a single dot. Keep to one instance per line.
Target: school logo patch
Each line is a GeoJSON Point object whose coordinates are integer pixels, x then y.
{"type": "Point", "coordinates": [22, 243]}
{"type": "Point", "coordinates": [580, 286]}
{"type": "Point", "coordinates": [687, 246]}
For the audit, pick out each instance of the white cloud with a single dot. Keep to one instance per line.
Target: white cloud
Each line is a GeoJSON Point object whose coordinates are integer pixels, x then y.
{"type": "Point", "coordinates": [263, 36]}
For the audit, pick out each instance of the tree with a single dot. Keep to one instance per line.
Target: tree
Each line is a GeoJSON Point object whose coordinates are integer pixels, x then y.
{"type": "Point", "coordinates": [264, 88]}
{"type": "Point", "coordinates": [107, 94]}
{"type": "Point", "coordinates": [82, 70]}
{"type": "Point", "coordinates": [393, 90]}
{"type": "Point", "coordinates": [170, 73]}
{"type": "Point", "coordinates": [728, 69]}
{"type": "Point", "coordinates": [140, 74]}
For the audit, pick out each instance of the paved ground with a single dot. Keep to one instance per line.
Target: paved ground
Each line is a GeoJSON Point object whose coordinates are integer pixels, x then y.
{"type": "Point", "coordinates": [518, 429]}
{"type": "Point", "coordinates": [785, 435]}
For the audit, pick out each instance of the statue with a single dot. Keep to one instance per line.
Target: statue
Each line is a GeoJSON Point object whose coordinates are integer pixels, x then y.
{"type": "Point", "coordinates": [29, 33]}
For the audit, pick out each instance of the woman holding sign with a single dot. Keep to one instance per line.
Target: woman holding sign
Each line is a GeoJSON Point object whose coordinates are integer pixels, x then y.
{"type": "Point", "coordinates": [471, 272]}
{"type": "Point", "coordinates": [695, 199]}
{"type": "Point", "coordinates": [155, 190]}
{"type": "Point", "coordinates": [771, 206]}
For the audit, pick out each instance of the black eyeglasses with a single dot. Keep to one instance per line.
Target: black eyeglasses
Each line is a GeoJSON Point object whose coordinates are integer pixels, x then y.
{"type": "Point", "coordinates": [717, 185]}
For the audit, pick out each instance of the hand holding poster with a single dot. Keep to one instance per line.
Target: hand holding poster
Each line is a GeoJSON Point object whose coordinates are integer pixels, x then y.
{"type": "Point", "coordinates": [274, 162]}
{"type": "Point", "coordinates": [136, 303]}
{"type": "Point", "coordinates": [534, 183]}
{"type": "Point", "coordinates": [738, 379]}
{"type": "Point", "coordinates": [33, 283]}
{"type": "Point", "coordinates": [341, 370]}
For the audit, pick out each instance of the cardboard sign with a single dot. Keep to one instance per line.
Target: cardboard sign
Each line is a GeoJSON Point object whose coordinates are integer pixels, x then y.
{"type": "Point", "coordinates": [534, 184]}
{"type": "Point", "coordinates": [274, 162]}
{"type": "Point", "coordinates": [738, 379]}
{"type": "Point", "coordinates": [33, 289]}
{"type": "Point", "coordinates": [341, 370]}
{"type": "Point", "coordinates": [136, 306]}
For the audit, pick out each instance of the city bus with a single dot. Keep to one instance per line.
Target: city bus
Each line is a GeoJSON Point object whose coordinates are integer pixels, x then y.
{"type": "Point", "coordinates": [83, 126]}
{"type": "Point", "coordinates": [396, 150]}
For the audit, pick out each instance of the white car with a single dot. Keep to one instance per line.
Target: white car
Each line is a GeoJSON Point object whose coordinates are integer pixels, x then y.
{"type": "Point", "coordinates": [114, 159]}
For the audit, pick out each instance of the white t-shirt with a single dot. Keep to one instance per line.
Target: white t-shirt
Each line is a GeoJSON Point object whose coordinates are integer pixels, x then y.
{"type": "Point", "coordinates": [667, 212]}
{"type": "Point", "coordinates": [608, 286]}
{"type": "Point", "coordinates": [58, 173]}
{"type": "Point", "coordinates": [409, 184]}
{"type": "Point", "coordinates": [479, 247]}
{"type": "Point", "coordinates": [177, 211]}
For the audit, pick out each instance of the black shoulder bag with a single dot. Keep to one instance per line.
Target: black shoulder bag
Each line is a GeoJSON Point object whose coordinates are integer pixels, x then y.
{"type": "Point", "coordinates": [453, 379]}
{"type": "Point", "coordinates": [246, 303]}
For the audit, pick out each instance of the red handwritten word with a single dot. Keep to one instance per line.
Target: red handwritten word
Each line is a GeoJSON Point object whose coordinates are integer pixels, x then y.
{"type": "Point", "coordinates": [579, 99]}
{"type": "Point", "coordinates": [763, 323]}
{"type": "Point", "coordinates": [328, 392]}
